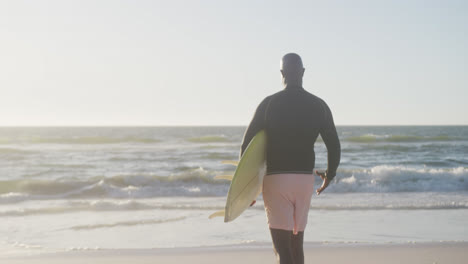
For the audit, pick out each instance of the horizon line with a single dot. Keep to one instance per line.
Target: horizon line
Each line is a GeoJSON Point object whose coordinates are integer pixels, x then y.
{"type": "Point", "coordinates": [202, 125]}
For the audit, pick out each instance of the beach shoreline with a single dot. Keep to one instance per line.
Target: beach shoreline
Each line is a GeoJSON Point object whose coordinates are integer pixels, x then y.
{"type": "Point", "coordinates": [414, 253]}
{"type": "Point", "coordinates": [120, 195]}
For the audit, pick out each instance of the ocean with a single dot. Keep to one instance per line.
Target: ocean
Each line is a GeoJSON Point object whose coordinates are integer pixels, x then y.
{"type": "Point", "coordinates": [95, 188]}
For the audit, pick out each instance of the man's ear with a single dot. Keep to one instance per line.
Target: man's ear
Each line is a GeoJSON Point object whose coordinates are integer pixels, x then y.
{"type": "Point", "coordinates": [303, 70]}
{"type": "Point", "coordinates": [282, 73]}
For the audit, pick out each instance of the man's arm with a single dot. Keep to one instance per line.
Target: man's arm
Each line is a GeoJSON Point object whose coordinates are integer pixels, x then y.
{"type": "Point", "coordinates": [257, 124]}
{"type": "Point", "coordinates": [332, 142]}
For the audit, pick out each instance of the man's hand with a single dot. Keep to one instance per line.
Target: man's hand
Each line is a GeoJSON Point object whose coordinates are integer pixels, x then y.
{"type": "Point", "coordinates": [325, 183]}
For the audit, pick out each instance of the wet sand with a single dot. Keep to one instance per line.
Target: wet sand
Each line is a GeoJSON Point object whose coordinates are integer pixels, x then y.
{"type": "Point", "coordinates": [424, 253]}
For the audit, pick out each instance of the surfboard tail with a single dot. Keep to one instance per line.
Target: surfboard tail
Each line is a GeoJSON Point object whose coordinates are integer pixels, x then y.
{"type": "Point", "coordinates": [216, 214]}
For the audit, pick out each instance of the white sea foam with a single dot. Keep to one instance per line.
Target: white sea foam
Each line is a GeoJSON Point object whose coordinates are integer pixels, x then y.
{"type": "Point", "coordinates": [199, 182]}
{"type": "Point", "coordinates": [372, 138]}
{"type": "Point", "coordinates": [388, 179]}
{"type": "Point", "coordinates": [330, 202]}
{"type": "Point", "coordinates": [127, 223]}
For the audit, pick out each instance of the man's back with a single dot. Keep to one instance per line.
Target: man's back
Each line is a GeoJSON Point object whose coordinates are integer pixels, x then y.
{"type": "Point", "coordinates": [293, 118]}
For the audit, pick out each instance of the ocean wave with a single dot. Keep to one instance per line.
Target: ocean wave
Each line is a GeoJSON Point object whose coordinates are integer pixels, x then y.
{"type": "Point", "coordinates": [209, 139]}
{"type": "Point", "coordinates": [389, 179]}
{"type": "Point", "coordinates": [371, 138]}
{"type": "Point", "coordinates": [219, 156]}
{"type": "Point", "coordinates": [194, 182]}
{"type": "Point", "coordinates": [448, 206]}
{"type": "Point", "coordinates": [127, 223]}
{"type": "Point", "coordinates": [200, 183]}
{"type": "Point", "coordinates": [80, 140]}
{"type": "Point", "coordinates": [71, 206]}
{"type": "Point", "coordinates": [353, 202]}
{"type": "Point", "coordinates": [14, 151]}
{"type": "Point", "coordinates": [376, 147]}
{"type": "Point", "coordinates": [65, 166]}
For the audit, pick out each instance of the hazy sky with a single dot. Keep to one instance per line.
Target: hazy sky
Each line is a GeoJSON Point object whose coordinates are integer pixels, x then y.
{"type": "Point", "coordinates": [211, 62]}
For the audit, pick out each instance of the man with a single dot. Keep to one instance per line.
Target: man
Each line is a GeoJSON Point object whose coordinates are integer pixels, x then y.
{"type": "Point", "coordinates": [292, 119]}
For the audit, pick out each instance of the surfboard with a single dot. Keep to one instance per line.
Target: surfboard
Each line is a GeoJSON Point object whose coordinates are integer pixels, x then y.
{"type": "Point", "coordinates": [247, 182]}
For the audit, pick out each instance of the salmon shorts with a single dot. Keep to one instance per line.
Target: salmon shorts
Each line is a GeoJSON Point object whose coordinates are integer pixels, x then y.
{"type": "Point", "coordinates": [287, 200]}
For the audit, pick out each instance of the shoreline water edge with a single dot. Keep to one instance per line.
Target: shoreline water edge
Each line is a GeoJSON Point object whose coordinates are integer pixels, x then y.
{"type": "Point", "coordinates": [454, 253]}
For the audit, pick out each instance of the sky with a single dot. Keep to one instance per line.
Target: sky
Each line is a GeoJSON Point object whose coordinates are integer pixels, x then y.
{"type": "Point", "coordinates": [153, 63]}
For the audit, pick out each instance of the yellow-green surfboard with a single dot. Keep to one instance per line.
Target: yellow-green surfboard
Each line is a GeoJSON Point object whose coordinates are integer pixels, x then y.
{"type": "Point", "coordinates": [247, 182]}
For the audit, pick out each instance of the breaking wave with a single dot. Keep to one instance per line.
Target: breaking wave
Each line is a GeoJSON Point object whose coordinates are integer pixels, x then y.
{"type": "Point", "coordinates": [371, 138]}
{"type": "Point", "coordinates": [193, 183]}
{"type": "Point", "coordinates": [389, 179]}
{"type": "Point", "coordinates": [209, 139]}
{"type": "Point", "coordinates": [127, 223]}
{"type": "Point", "coordinates": [80, 140]}
{"type": "Point", "coordinates": [359, 202]}
{"type": "Point", "coordinates": [200, 183]}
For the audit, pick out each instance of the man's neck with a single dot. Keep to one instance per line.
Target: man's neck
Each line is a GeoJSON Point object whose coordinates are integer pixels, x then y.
{"type": "Point", "coordinates": [292, 85]}
{"type": "Point", "coordinates": [287, 84]}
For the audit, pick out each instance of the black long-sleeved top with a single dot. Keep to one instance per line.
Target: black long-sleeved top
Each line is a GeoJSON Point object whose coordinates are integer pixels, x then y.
{"type": "Point", "coordinates": [292, 119]}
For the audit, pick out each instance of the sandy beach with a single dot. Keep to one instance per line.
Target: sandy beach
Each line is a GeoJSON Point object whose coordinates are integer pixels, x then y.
{"type": "Point", "coordinates": [452, 253]}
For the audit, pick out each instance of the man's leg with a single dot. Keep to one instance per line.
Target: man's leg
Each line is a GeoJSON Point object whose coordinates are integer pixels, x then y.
{"type": "Point", "coordinates": [297, 247]}
{"type": "Point", "coordinates": [282, 244]}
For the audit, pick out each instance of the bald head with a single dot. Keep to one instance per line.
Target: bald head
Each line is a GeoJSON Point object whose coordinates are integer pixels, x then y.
{"type": "Point", "coordinates": [292, 69]}
{"type": "Point", "coordinates": [291, 62]}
